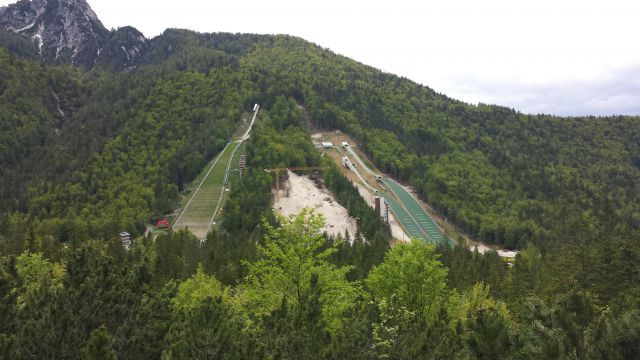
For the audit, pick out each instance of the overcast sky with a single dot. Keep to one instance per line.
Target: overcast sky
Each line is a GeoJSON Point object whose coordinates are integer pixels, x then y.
{"type": "Point", "coordinates": [562, 57]}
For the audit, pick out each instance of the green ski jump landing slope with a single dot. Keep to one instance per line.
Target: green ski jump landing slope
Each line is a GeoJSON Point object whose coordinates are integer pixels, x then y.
{"type": "Point", "coordinates": [411, 215]}
{"type": "Point", "coordinates": [417, 213]}
{"type": "Point", "coordinates": [200, 211]}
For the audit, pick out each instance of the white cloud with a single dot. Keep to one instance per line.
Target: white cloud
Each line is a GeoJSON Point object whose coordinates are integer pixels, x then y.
{"type": "Point", "coordinates": [609, 94]}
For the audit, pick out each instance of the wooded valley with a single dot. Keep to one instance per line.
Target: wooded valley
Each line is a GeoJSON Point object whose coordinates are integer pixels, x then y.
{"type": "Point", "coordinates": [86, 154]}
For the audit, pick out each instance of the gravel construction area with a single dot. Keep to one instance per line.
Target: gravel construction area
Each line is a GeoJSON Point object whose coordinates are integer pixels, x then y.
{"type": "Point", "coordinates": [300, 192]}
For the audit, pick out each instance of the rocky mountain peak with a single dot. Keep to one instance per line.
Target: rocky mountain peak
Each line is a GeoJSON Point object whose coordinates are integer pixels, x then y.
{"type": "Point", "coordinates": [67, 31]}
{"type": "Point", "coordinates": [125, 48]}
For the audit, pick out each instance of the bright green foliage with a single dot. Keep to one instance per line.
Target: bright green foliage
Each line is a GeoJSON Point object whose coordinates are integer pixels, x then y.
{"type": "Point", "coordinates": [33, 269]}
{"type": "Point", "coordinates": [413, 278]}
{"type": "Point", "coordinates": [35, 272]}
{"type": "Point", "coordinates": [385, 331]}
{"type": "Point", "coordinates": [293, 252]}
{"type": "Point", "coordinates": [478, 299]}
{"type": "Point", "coordinates": [193, 291]}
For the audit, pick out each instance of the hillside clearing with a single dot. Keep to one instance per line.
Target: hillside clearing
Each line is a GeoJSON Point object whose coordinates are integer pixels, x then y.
{"type": "Point", "coordinates": [304, 193]}
{"type": "Point", "coordinates": [197, 212]}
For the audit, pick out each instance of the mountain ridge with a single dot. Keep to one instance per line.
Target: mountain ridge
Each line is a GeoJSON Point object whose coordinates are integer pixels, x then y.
{"type": "Point", "coordinates": [65, 31]}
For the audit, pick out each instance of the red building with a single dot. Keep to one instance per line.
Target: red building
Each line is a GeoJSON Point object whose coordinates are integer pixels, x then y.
{"type": "Point", "coordinates": [163, 223]}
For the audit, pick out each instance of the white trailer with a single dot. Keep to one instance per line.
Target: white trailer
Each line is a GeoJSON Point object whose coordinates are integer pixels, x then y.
{"type": "Point", "coordinates": [347, 162]}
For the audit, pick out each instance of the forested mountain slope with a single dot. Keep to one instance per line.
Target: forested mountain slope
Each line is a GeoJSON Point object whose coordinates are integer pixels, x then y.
{"type": "Point", "coordinates": [502, 176]}
{"type": "Point", "coordinates": [499, 174]}
{"type": "Point", "coordinates": [86, 153]}
{"type": "Point", "coordinates": [119, 147]}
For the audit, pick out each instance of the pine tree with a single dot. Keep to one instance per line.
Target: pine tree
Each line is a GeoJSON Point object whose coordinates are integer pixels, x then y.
{"type": "Point", "coordinates": [573, 315]}
{"type": "Point", "coordinates": [488, 334]}
{"type": "Point", "coordinates": [99, 346]}
{"type": "Point", "coordinates": [208, 331]}
{"type": "Point", "coordinates": [30, 240]}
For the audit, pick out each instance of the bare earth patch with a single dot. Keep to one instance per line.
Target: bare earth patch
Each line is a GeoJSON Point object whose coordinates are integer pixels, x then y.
{"type": "Point", "coordinates": [303, 193]}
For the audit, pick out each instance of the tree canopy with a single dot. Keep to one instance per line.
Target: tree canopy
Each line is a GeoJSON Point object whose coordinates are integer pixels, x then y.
{"type": "Point", "coordinates": [85, 155]}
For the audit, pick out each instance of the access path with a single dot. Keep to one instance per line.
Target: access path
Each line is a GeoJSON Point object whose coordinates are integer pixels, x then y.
{"type": "Point", "coordinates": [413, 217]}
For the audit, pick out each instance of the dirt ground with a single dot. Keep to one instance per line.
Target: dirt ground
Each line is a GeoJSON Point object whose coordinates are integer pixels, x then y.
{"type": "Point", "coordinates": [302, 192]}
{"type": "Point", "coordinates": [482, 248]}
{"type": "Point", "coordinates": [338, 152]}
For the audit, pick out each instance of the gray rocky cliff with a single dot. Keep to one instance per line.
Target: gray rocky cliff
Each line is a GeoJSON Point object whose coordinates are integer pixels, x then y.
{"type": "Point", "coordinates": [69, 31]}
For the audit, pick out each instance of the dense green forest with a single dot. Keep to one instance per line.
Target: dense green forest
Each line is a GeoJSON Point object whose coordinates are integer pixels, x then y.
{"type": "Point", "coordinates": [87, 154]}
{"type": "Point", "coordinates": [500, 175]}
